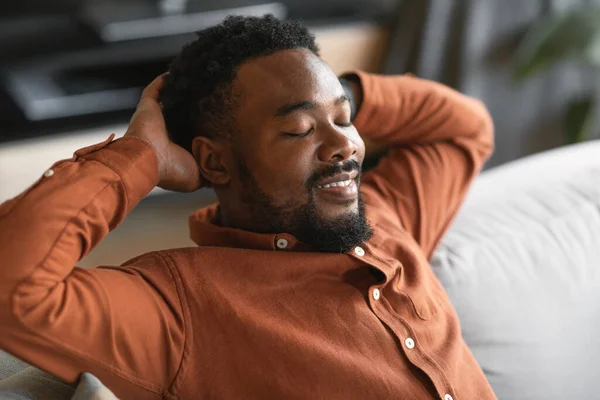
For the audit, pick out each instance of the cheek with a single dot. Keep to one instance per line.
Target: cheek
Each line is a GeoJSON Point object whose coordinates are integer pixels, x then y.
{"type": "Point", "coordinates": [284, 175]}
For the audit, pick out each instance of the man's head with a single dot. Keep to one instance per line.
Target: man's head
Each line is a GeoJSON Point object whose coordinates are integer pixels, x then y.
{"type": "Point", "coordinates": [269, 125]}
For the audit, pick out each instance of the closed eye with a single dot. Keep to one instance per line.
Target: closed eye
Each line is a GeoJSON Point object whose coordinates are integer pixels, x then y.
{"type": "Point", "coordinates": [303, 134]}
{"type": "Point", "coordinates": [298, 135]}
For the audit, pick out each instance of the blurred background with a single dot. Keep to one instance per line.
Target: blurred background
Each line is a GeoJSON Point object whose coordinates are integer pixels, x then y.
{"type": "Point", "coordinates": [71, 72]}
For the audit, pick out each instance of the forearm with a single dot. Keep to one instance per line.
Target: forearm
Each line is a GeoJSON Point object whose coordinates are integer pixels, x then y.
{"type": "Point", "coordinates": [438, 141]}
{"type": "Point", "coordinates": [404, 110]}
{"type": "Point", "coordinates": [47, 229]}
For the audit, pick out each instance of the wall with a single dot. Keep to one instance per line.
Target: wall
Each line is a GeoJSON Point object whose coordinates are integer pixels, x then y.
{"type": "Point", "coordinates": [468, 44]}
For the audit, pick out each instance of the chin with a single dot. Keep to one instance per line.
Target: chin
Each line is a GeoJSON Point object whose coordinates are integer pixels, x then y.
{"type": "Point", "coordinates": [338, 232]}
{"type": "Point", "coordinates": [332, 211]}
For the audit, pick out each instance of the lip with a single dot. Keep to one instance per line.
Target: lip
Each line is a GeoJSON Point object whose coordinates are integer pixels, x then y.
{"type": "Point", "coordinates": [339, 177]}
{"type": "Point", "coordinates": [339, 194]}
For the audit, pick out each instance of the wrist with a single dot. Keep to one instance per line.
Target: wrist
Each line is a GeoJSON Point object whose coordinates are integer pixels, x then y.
{"type": "Point", "coordinates": [147, 143]}
{"type": "Point", "coordinates": [134, 161]}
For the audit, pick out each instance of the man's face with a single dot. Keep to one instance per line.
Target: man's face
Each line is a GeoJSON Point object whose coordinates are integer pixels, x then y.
{"type": "Point", "coordinates": [299, 157]}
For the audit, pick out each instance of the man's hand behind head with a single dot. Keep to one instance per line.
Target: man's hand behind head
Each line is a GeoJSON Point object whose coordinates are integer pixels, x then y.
{"type": "Point", "coordinates": [178, 170]}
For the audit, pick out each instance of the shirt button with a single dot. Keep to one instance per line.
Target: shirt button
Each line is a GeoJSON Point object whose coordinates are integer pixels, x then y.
{"type": "Point", "coordinates": [376, 294]}
{"type": "Point", "coordinates": [49, 173]}
{"type": "Point", "coordinates": [411, 344]}
{"type": "Point", "coordinates": [448, 397]}
{"type": "Point", "coordinates": [359, 251]}
{"type": "Point", "coordinates": [282, 243]}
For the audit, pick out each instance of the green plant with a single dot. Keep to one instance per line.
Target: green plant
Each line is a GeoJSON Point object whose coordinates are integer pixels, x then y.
{"type": "Point", "coordinates": [572, 36]}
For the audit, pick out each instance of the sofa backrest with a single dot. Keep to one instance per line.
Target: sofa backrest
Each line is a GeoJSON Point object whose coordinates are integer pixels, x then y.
{"type": "Point", "coordinates": [521, 265]}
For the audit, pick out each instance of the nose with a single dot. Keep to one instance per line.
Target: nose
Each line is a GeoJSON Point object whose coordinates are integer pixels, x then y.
{"type": "Point", "coordinates": [336, 146]}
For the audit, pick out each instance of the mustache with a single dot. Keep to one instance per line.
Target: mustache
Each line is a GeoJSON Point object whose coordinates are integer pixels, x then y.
{"type": "Point", "coordinates": [348, 166]}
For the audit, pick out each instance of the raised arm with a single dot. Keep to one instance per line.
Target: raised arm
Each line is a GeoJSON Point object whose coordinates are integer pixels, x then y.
{"type": "Point", "coordinates": [439, 140]}
{"type": "Point", "coordinates": [124, 325]}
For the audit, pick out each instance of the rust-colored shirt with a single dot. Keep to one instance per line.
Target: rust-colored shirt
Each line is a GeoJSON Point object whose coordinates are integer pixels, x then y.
{"type": "Point", "coordinates": [247, 315]}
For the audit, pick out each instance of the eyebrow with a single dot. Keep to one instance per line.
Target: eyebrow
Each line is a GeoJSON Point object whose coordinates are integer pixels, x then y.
{"type": "Point", "coordinates": [305, 105]}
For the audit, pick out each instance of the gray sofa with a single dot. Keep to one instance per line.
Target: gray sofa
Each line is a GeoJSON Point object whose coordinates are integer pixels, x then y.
{"type": "Point", "coordinates": [521, 264]}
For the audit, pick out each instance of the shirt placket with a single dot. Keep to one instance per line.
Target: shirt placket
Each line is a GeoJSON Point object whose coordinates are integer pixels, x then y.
{"type": "Point", "coordinates": [401, 328]}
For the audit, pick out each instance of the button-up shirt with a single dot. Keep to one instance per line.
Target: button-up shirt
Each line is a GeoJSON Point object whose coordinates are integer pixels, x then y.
{"type": "Point", "coordinates": [248, 315]}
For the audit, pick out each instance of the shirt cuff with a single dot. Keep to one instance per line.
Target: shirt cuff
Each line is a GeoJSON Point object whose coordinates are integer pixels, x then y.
{"type": "Point", "coordinates": [133, 159]}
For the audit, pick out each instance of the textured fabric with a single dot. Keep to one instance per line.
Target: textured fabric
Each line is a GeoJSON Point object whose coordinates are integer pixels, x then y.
{"type": "Point", "coordinates": [34, 384]}
{"type": "Point", "coordinates": [521, 265]}
{"type": "Point", "coordinates": [18, 381]}
{"type": "Point", "coordinates": [90, 388]}
{"type": "Point", "coordinates": [10, 365]}
{"type": "Point", "coordinates": [236, 317]}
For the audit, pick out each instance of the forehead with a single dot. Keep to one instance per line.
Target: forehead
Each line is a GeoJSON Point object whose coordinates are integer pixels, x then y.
{"type": "Point", "coordinates": [265, 83]}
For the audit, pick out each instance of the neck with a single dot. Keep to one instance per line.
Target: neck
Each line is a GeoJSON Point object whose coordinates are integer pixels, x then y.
{"type": "Point", "coordinates": [239, 220]}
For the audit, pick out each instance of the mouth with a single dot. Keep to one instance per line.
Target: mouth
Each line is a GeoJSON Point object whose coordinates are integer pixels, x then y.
{"type": "Point", "coordinates": [341, 187]}
{"type": "Point", "coordinates": [337, 184]}
{"type": "Point", "coordinates": [339, 180]}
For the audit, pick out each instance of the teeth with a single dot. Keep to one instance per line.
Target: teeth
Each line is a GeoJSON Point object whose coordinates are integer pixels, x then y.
{"type": "Point", "coordinates": [337, 184]}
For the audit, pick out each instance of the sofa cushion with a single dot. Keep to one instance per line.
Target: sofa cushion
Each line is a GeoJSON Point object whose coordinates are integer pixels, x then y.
{"type": "Point", "coordinates": [521, 265]}
{"type": "Point", "coordinates": [34, 384]}
{"type": "Point", "coordinates": [10, 365]}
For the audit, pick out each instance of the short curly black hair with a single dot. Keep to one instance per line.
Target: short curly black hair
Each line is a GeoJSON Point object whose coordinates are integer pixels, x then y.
{"type": "Point", "coordinates": [197, 93]}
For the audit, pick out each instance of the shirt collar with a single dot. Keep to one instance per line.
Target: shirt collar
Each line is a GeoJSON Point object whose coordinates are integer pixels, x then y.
{"type": "Point", "coordinates": [205, 231]}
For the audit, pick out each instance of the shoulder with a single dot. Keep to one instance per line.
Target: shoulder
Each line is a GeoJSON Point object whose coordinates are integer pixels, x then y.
{"type": "Point", "coordinates": [159, 271]}
{"type": "Point", "coordinates": [172, 264]}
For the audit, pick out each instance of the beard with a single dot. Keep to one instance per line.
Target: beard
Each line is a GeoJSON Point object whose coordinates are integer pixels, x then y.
{"type": "Point", "coordinates": [305, 223]}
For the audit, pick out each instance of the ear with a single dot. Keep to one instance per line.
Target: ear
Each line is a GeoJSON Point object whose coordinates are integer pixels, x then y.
{"type": "Point", "coordinates": [210, 156]}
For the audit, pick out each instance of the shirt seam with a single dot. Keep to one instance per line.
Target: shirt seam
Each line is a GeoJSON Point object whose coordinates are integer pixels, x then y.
{"type": "Point", "coordinates": [173, 271]}
{"type": "Point", "coordinates": [120, 180]}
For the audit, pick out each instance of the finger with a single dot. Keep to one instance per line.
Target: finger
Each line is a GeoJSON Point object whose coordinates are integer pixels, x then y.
{"type": "Point", "coordinates": [151, 91]}
{"type": "Point", "coordinates": [149, 98]}
{"type": "Point", "coordinates": [148, 112]}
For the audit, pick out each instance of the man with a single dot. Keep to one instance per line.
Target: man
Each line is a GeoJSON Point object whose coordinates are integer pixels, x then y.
{"type": "Point", "coordinates": [310, 280]}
